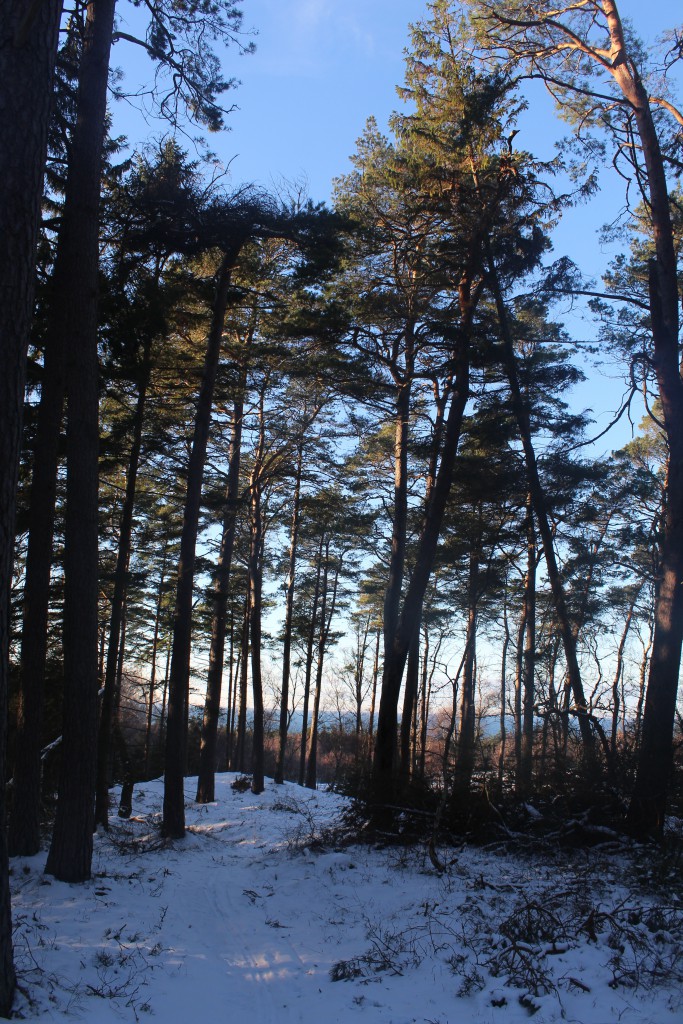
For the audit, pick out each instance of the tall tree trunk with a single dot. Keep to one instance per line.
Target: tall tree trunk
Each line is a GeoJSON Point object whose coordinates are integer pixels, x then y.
{"type": "Point", "coordinates": [120, 589]}
{"type": "Point", "coordinates": [464, 765]}
{"type": "Point", "coordinates": [375, 678]}
{"type": "Point", "coordinates": [241, 739]}
{"type": "Point", "coordinates": [392, 597]}
{"type": "Point", "coordinates": [538, 499]}
{"type": "Point", "coordinates": [24, 826]}
{"type": "Point", "coordinates": [207, 749]}
{"type": "Point", "coordinates": [70, 855]}
{"type": "Point", "coordinates": [427, 678]}
{"type": "Point", "coordinates": [648, 804]}
{"type": "Point", "coordinates": [519, 692]}
{"type": "Point", "coordinates": [642, 674]}
{"type": "Point", "coordinates": [256, 607]}
{"type": "Point", "coordinates": [153, 673]}
{"type": "Point", "coordinates": [409, 703]}
{"type": "Point", "coordinates": [325, 626]}
{"type": "Point", "coordinates": [529, 657]}
{"type": "Point", "coordinates": [232, 694]}
{"type": "Point", "coordinates": [173, 824]}
{"type": "Point", "coordinates": [289, 618]}
{"type": "Point", "coordinates": [309, 663]}
{"type": "Point", "coordinates": [28, 45]}
{"type": "Point", "coordinates": [618, 673]}
{"type": "Point", "coordinates": [503, 691]}
{"type": "Point", "coordinates": [385, 756]}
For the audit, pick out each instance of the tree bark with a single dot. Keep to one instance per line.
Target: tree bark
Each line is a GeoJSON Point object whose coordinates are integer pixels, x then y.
{"type": "Point", "coordinates": [207, 752]}
{"type": "Point", "coordinates": [309, 664]}
{"type": "Point", "coordinates": [173, 824]}
{"type": "Point", "coordinates": [464, 765]}
{"type": "Point", "coordinates": [24, 826]}
{"type": "Point", "coordinates": [325, 626]}
{"type": "Point", "coordinates": [409, 702]}
{"type": "Point", "coordinates": [104, 753]}
{"type": "Point", "coordinates": [289, 617]}
{"type": "Point", "coordinates": [28, 46]}
{"type": "Point", "coordinates": [529, 658]}
{"type": "Point", "coordinates": [153, 672]}
{"type": "Point", "coordinates": [521, 413]}
{"type": "Point", "coordinates": [255, 605]}
{"type": "Point", "coordinates": [385, 756]}
{"type": "Point", "coordinates": [70, 855]}
{"type": "Point", "coordinates": [239, 758]}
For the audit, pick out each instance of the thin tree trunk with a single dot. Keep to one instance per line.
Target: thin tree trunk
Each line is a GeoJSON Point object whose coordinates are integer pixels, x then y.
{"type": "Point", "coordinates": [207, 749]}
{"type": "Point", "coordinates": [519, 692]}
{"type": "Point", "coordinates": [375, 678]}
{"type": "Point", "coordinates": [70, 855]}
{"type": "Point", "coordinates": [309, 664]}
{"type": "Point", "coordinates": [325, 626]}
{"type": "Point", "coordinates": [118, 599]}
{"type": "Point", "coordinates": [232, 694]}
{"type": "Point", "coordinates": [24, 826]}
{"type": "Point", "coordinates": [645, 660]}
{"type": "Point", "coordinates": [164, 701]}
{"type": "Point", "coordinates": [255, 581]}
{"type": "Point", "coordinates": [409, 703]}
{"type": "Point", "coordinates": [173, 824]}
{"type": "Point", "coordinates": [503, 692]}
{"type": "Point", "coordinates": [289, 617]}
{"type": "Point", "coordinates": [153, 674]}
{"type": "Point", "coordinates": [385, 757]}
{"type": "Point", "coordinates": [529, 660]}
{"type": "Point", "coordinates": [521, 412]}
{"type": "Point", "coordinates": [241, 740]}
{"type": "Point", "coordinates": [618, 672]}
{"type": "Point", "coordinates": [468, 720]}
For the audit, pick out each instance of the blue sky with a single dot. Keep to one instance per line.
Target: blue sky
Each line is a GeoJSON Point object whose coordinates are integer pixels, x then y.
{"type": "Point", "coordinates": [322, 67]}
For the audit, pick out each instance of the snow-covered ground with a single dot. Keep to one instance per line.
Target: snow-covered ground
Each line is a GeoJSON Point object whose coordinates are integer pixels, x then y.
{"type": "Point", "coordinates": [258, 916]}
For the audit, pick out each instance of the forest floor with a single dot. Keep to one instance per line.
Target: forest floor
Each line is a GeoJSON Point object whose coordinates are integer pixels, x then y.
{"type": "Point", "coordinates": [263, 915]}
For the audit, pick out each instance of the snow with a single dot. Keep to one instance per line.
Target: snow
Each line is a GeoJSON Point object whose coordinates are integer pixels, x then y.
{"type": "Point", "coordinates": [253, 916]}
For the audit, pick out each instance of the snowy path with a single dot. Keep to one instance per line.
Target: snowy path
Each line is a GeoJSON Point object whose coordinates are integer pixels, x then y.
{"type": "Point", "coordinates": [243, 920]}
